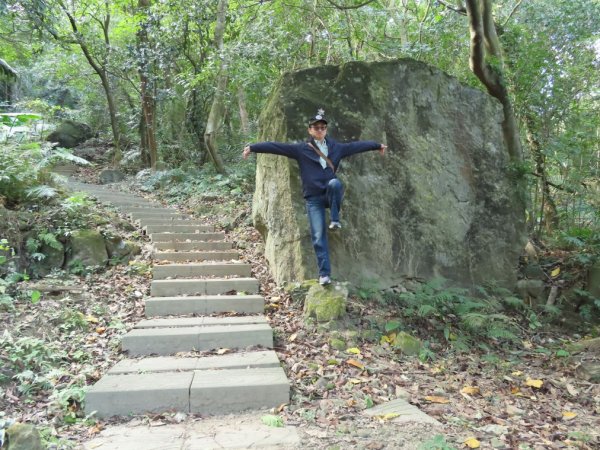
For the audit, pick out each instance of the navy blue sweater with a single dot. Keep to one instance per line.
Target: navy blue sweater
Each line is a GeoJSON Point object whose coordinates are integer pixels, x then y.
{"type": "Point", "coordinates": [314, 177]}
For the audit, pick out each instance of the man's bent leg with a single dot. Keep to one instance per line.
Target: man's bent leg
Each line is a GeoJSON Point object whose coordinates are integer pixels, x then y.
{"type": "Point", "coordinates": [315, 208]}
{"type": "Point", "coordinates": [335, 196]}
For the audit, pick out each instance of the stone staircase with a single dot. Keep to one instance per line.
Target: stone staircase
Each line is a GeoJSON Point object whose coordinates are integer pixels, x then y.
{"type": "Point", "coordinates": [196, 277]}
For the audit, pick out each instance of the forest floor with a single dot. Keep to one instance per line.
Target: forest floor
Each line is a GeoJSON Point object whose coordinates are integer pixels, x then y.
{"type": "Point", "coordinates": [525, 396]}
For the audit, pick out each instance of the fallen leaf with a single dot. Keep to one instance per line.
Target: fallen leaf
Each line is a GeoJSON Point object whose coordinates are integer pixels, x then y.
{"type": "Point", "coordinates": [534, 383]}
{"type": "Point", "coordinates": [568, 415]}
{"type": "Point", "coordinates": [471, 390]}
{"type": "Point", "coordinates": [91, 319]}
{"type": "Point", "coordinates": [353, 350]}
{"type": "Point", "coordinates": [355, 381]}
{"type": "Point", "coordinates": [555, 272]}
{"type": "Point", "coordinates": [472, 443]}
{"type": "Point", "coordinates": [437, 399]}
{"type": "Point", "coordinates": [293, 337]}
{"type": "Point", "coordinates": [574, 392]}
{"type": "Point", "coordinates": [388, 416]}
{"type": "Point", "coordinates": [222, 351]}
{"type": "Point", "coordinates": [100, 330]}
{"type": "Point", "coordinates": [517, 373]}
{"type": "Point", "coordinates": [356, 363]}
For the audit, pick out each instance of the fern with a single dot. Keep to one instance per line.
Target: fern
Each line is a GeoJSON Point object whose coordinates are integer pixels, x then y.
{"type": "Point", "coordinates": [427, 310]}
{"type": "Point", "coordinates": [50, 240]}
{"type": "Point", "coordinates": [42, 191]}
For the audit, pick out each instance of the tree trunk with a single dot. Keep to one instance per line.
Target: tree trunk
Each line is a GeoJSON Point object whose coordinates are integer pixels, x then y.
{"type": "Point", "coordinates": [548, 211]}
{"type": "Point", "coordinates": [148, 140]}
{"type": "Point", "coordinates": [244, 122]}
{"type": "Point", "coordinates": [215, 116]}
{"type": "Point", "coordinates": [485, 48]}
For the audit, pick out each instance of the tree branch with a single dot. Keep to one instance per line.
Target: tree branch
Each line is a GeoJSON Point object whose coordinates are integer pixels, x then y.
{"type": "Point", "coordinates": [366, 2]}
{"type": "Point", "coordinates": [456, 9]}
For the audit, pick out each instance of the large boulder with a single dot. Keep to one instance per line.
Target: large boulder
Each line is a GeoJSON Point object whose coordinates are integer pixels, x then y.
{"type": "Point", "coordinates": [442, 202]}
{"type": "Point", "coordinates": [87, 248]}
{"type": "Point", "coordinates": [69, 134]}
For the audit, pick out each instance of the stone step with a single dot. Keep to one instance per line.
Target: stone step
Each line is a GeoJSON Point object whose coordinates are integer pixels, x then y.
{"type": "Point", "coordinates": [172, 221]}
{"type": "Point", "coordinates": [205, 304]}
{"type": "Point", "coordinates": [187, 237]}
{"type": "Point", "coordinates": [149, 213]}
{"type": "Point", "coordinates": [226, 255]}
{"type": "Point", "coordinates": [173, 271]}
{"type": "Point", "coordinates": [148, 208]}
{"type": "Point", "coordinates": [174, 228]}
{"type": "Point", "coordinates": [194, 286]}
{"type": "Point", "coordinates": [171, 336]}
{"type": "Point", "coordinates": [157, 364]}
{"type": "Point", "coordinates": [190, 246]}
{"type": "Point", "coordinates": [198, 392]}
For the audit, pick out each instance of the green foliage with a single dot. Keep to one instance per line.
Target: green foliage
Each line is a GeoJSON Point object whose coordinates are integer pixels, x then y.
{"type": "Point", "coordinates": [25, 172]}
{"type": "Point", "coordinates": [463, 319]}
{"type": "Point", "coordinates": [438, 442]}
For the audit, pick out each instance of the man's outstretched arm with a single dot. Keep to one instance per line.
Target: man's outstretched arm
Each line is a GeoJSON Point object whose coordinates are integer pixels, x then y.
{"type": "Point", "coordinates": [274, 148]}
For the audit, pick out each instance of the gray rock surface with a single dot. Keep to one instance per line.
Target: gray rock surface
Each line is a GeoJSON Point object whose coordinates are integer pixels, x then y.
{"type": "Point", "coordinates": [111, 176]}
{"type": "Point", "coordinates": [69, 134]}
{"type": "Point", "coordinates": [442, 202]}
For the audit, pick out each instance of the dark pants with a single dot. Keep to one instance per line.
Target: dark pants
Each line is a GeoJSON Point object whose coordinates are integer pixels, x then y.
{"type": "Point", "coordinates": [315, 208]}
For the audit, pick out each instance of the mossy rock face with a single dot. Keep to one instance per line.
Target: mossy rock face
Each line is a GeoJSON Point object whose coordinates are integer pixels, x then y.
{"type": "Point", "coordinates": [69, 134]}
{"type": "Point", "coordinates": [407, 344]}
{"type": "Point", "coordinates": [54, 259]}
{"type": "Point", "coordinates": [437, 204]}
{"type": "Point", "coordinates": [298, 290]}
{"type": "Point", "coordinates": [87, 247]}
{"type": "Point", "coordinates": [326, 303]}
{"type": "Point", "coordinates": [23, 437]}
{"type": "Point", "coordinates": [338, 344]}
{"type": "Point", "coordinates": [120, 249]}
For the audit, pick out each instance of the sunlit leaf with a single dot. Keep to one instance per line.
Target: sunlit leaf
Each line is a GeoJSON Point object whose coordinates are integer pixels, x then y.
{"type": "Point", "coordinates": [388, 416]}
{"type": "Point", "coordinates": [272, 421]}
{"type": "Point", "coordinates": [568, 415]}
{"type": "Point", "coordinates": [35, 296]}
{"type": "Point", "coordinates": [356, 363]}
{"type": "Point", "coordinates": [534, 383]}
{"type": "Point", "coordinates": [471, 390]}
{"type": "Point", "coordinates": [555, 272]}
{"type": "Point", "coordinates": [437, 399]}
{"type": "Point", "coordinates": [472, 443]}
{"type": "Point", "coordinates": [91, 319]}
{"type": "Point", "coordinates": [353, 350]}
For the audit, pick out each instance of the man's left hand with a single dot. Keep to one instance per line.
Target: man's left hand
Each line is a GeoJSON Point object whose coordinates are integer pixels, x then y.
{"type": "Point", "coordinates": [382, 149]}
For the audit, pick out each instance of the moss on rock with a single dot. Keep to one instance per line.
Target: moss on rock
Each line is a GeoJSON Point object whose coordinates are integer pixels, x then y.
{"type": "Point", "coordinates": [326, 303]}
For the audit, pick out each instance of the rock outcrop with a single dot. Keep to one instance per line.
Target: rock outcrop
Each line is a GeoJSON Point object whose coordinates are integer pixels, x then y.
{"type": "Point", "coordinates": [70, 134]}
{"type": "Point", "coordinates": [442, 202]}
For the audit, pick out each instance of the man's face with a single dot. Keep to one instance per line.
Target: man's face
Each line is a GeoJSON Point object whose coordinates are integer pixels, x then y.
{"type": "Point", "coordinates": [318, 130]}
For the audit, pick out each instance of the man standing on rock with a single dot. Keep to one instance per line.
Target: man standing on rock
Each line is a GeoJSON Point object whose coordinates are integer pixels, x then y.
{"type": "Point", "coordinates": [319, 158]}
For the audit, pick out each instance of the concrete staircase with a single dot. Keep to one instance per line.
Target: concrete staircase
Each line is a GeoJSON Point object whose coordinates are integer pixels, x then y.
{"type": "Point", "coordinates": [196, 275]}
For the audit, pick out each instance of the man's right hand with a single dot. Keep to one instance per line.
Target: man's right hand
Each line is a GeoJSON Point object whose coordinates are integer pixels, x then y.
{"type": "Point", "coordinates": [246, 152]}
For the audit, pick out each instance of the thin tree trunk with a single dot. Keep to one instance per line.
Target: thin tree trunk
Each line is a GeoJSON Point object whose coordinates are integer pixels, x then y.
{"type": "Point", "coordinates": [245, 123]}
{"type": "Point", "coordinates": [102, 72]}
{"type": "Point", "coordinates": [485, 47]}
{"type": "Point", "coordinates": [148, 140]}
{"type": "Point", "coordinates": [215, 116]}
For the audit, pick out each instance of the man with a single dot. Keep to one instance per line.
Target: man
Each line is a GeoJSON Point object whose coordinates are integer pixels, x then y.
{"type": "Point", "coordinates": [319, 159]}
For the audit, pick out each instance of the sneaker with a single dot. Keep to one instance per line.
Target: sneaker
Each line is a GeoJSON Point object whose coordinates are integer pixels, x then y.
{"type": "Point", "coordinates": [324, 281]}
{"type": "Point", "coordinates": [335, 225]}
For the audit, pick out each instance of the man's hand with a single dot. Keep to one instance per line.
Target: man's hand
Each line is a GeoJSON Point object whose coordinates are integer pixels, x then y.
{"type": "Point", "coordinates": [382, 149]}
{"type": "Point", "coordinates": [246, 152]}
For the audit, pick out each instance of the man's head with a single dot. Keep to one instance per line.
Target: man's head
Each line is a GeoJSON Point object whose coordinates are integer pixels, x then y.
{"type": "Point", "coordinates": [317, 126]}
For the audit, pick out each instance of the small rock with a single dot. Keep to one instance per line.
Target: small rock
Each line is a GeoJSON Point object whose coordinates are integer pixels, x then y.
{"type": "Point", "coordinates": [407, 344]}
{"type": "Point", "coordinates": [498, 430]}
{"type": "Point", "coordinates": [24, 437]}
{"type": "Point", "coordinates": [512, 410]}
